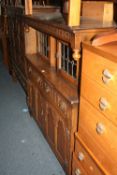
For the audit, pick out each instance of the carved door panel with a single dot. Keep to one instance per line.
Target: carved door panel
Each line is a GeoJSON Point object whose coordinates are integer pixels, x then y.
{"type": "Point", "coordinates": [63, 144]}
{"type": "Point", "coordinates": [58, 136]}
{"type": "Point", "coordinates": [51, 125]}
{"type": "Point", "coordinates": [32, 98]}
{"type": "Point", "coordinates": [42, 113]}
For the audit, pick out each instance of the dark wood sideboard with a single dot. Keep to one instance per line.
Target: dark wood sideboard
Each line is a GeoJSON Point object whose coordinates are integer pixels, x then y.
{"type": "Point", "coordinates": [45, 56]}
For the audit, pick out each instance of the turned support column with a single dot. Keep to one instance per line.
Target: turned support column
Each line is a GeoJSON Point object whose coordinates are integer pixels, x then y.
{"type": "Point", "coordinates": [76, 54]}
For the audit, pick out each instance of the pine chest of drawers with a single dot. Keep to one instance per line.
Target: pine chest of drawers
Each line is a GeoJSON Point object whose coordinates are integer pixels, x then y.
{"type": "Point", "coordinates": [96, 140]}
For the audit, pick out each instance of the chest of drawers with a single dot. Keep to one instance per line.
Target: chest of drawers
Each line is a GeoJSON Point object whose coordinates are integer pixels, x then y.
{"type": "Point", "coordinates": [96, 143]}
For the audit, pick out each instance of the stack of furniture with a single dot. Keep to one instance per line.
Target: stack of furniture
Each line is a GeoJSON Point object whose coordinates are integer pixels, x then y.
{"type": "Point", "coordinates": [45, 56]}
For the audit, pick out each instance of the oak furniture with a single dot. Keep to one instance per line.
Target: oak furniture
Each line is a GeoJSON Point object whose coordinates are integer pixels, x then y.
{"type": "Point", "coordinates": [45, 56]}
{"type": "Point", "coordinates": [96, 143]}
{"type": "Point", "coordinates": [53, 72]}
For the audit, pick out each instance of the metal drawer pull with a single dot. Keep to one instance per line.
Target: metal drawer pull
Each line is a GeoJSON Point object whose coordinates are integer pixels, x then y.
{"type": "Point", "coordinates": [77, 172]}
{"type": "Point", "coordinates": [103, 103]}
{"type": "Point", "coordinates": [30, 69]}
{"type": "Point", "coordinates": [81, 156]}
{"type": "Point", "coordinates": [43, 71]}
{"type": "Point", "coordinates": [47, 89]}
{"type": "Point", "coordinates": [100, 128]}
{"type": "Point", "coordinates": [62, 106]}
{"type": "Point", "coordinates": [107, 76]}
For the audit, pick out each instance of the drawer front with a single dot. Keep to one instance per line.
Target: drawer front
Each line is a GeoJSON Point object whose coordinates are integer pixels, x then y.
{"type": "Point", "coordinates": [86, 160]}
{"type": "Point", "coordinates": [103, 100]}
{"type": "Point", "coordinates": [55, 98]}
{"type": "Point", "coordinates": [100, 136]}
{"type": "Point", "coordinates": [100, 69]}
{"type": "Point", "coordinates": [77, 169]}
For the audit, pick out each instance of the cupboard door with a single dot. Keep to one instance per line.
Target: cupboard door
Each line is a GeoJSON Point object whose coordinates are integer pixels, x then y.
{"type": "Point", "coordinates": [42, 113]}
{"type": "Point", "coordinates": [63, 144]}
{"type": "Point", "coordinates": [61, 139]}
{"type": "Point", "coordinates": [51, 117]}
{"type": "Point", "coordinates": [32, 99]}
{"type": "Point", "coordinates": [58, 136]}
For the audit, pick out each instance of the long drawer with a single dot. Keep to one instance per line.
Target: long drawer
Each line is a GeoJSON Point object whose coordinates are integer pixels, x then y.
{"type": "Point", "coordinates": [103, 100]}
{"type": "Point", "coordinates": [77, 169]}
{"type": "Point", "coordinates": [85, 159]}
{"type": "Point", "coordinates": [99, 135]}
{"type": "Point", "coordinates": [100, 69]}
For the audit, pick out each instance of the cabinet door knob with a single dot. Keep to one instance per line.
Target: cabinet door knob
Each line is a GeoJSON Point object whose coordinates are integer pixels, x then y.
{"type": "Point", "coordinates": [103, 103]}
{"type": "Point", "coordinates": [107, 76]}
{"type": "Point", "coordinates": [100, 128]}
{"type": "Point", "coordinates": [77, 172]}
{"type": "Point", "coordinates": [81, 156]}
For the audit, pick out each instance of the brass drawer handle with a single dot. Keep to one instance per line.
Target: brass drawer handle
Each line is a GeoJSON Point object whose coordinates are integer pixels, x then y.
{"type": "Point", "coordinates": [77, 172]}
{"type": "Point", "coordinates": [107, 76]}
{"type": "Point", "coordinates": [30, 70]}
{"type": "Point", "coordinates": [62, 106]}
{"type": "Point", "coordinates": [81, 156]}
{"type": "Point", "coordinates": [100, 128]}
{"type": "Point", "coordinates": [47, 89]}
{"type": "Point", "coordinates": [103, 103]}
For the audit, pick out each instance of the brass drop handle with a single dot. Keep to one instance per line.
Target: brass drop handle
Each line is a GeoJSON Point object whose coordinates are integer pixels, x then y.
{"type": "Point", "coordinates": [77, 172]}
{"type": "Point", "coordinates": [81, 156]}
{"type": "Point", "coordinates": [100, 128]}
{"type": "Point", "coordinates": [103, 103]}
{"type": "Point", "coordinates": [62, 106]}
{"type": "Point", "coordinates": [30, 70]}
{"type": "Point", "coordinates": [47, 89]}
{"type": "Point", "coordinates": [107, 76]}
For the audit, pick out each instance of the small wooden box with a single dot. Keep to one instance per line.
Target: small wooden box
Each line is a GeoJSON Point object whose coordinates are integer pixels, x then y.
{"type": "Point", "coordinates": [100, 11]}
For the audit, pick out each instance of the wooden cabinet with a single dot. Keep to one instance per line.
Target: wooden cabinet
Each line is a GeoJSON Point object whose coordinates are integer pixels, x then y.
{"type": "Point", "coordinates": [46, 58]}
{"type": "Point", "coordinates": [55, 113]}
{"type": "Point", "coordinates": [97, 114]}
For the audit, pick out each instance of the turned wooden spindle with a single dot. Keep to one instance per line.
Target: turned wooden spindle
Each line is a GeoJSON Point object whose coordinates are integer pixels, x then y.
{"type": "Point", "coordinates": [76, 54]}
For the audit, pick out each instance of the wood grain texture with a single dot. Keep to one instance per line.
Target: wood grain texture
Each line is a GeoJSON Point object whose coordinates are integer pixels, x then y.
{"type": "Point", "coordinates": [88, 163]}
{"type": "Point", "coordinates": [103, 146]}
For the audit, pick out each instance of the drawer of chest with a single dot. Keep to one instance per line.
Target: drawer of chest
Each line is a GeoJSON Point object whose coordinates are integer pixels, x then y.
{"type": "Point", "coordinates": [56, 99]}
{"type": "Point", "coordinates": [77, 169]}
{"type": "Point", "coordinates": [85, 159]}
{"type": "Point", "coordinates": [99, 134]}
{"type": "Point", "coordinates": [103, 100]}
{"type": "Point", "coordinates": [100, 69]}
